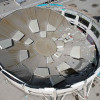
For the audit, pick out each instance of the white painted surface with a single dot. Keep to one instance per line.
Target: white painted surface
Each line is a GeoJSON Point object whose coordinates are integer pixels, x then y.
{"type": "Point", "coordinates": [60, 44]}
{"type": "Point", "coordinates": [42, 72]}
{"type": "Point", "coordinates": [63, 66]}
{"type": "Point", "coordinates": [58, 54]}
{"type": "Point", "coordinates": [5, 43]}
{"type": "Point", "coordinates": [23, 54]}
{"type": "Point", "coordinates": [50, 27]}
{"type": "Point", "coordinates": [78, 84]}
{"type": "Point", "coordinates": [28, 41]}
{"type": "Point", "coordinates": [75, 52]}
{"type": "Point", "coordinates": [18, 36]}
{"type": "Point", "coordinates": [64, 36]}
{"type": "Point", "coordinates": [43, 34]}
{"type": "Point", "coordinates": [60, 49]}
{"type": "Point", "coordinates": [50, 59]}
{"type": "Point", "coordinates": [54, 39]}
{"type": "Point", "coordinates": [33, 26]}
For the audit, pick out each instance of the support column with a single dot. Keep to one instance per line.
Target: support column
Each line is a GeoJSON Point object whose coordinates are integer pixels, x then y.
{"type": "Point", "coordinates": [85, 90]}
{"type": "Point", "coordinates": [54, 95]}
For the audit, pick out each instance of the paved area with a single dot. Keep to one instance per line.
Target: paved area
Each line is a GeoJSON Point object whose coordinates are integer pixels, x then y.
{"type": "Point", "coordinates": [90, 6]}
{"type": "Point", "coordinates": [10, 92]}
{"type": "Point", "coordinates": [9, 6]}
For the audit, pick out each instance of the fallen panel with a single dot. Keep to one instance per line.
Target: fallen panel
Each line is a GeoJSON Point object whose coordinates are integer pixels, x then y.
{"type": "Point", "coordinates": [75, 52]}
{"type": "Point", "coordinates": [23, 54]}
{"type": "Point", "coordinates": [64, 36]}
{"type": "Point", "coordinates": [54, 39]}
{"type": "Point", "coordinates": [5, 43]}
{"type": "Point", "coordinates": [43, 34]}
{"type": "Point", "coordinates": [28, 41]}
{"type": "Point", "coordinates": [50, 59]}
{"type": "Point", "coordinates": [50, 28]}
{"type": "Point", "coordinates": [42, 72]}
{"type": "Point", "coordinates": [60, 44]}
{"type": "Point", "coordinates": [63, 66]}
{"type": "Point", "coordinates": [58, 54]}
{"type": "Point", "coordinates": [33, 25]}
{"type": "Point", "coordinates": [18, 36]}
{"type": "Point", "coordinates": [60, 49]}
{"type": "Point", "coordinates": [55, 79]}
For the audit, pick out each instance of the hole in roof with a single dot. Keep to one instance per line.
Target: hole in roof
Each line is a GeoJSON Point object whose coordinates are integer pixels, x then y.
{"type": "Point", "coordinates": [84, 10]}
{"type": "Point", "coordinates": [82, 0]}
{"type": "Point", "coordinates": [73, 5]}
{"type": "Point", "coordinates": [95, 5]}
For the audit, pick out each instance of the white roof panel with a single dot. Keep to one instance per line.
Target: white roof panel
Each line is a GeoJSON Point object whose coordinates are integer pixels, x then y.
{"type": "Point", "coordinates": [5, 43]}
{"type": "Point", "coordinates": [50, 27]}
{"type": "Point", "coordinates": [75, 52]}
{"type": "Point", "coordinates": [33, 25]}
{"type": "Point", "coordinates": [18, 36]}
{"type": "Point", "coordinates": [42, 72]}
{"type": "Point", "coordinates": [28, 41]}
{"type": "Point", "coordinates": [23, 54]}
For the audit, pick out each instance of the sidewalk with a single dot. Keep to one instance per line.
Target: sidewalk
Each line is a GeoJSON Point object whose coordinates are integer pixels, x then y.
{"type": "Point", "coordinates": [7, 8]}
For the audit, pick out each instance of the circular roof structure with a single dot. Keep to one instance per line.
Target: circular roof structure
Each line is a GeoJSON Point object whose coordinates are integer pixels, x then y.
{"type": "Point", "coordinates": [41, 48]}
{"type": "Point", "coordinates": [45, 47]}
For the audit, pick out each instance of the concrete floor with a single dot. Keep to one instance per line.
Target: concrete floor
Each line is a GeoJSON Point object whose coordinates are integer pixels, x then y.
{"type": "Point", "coordinates": [19, 21]}
{"type": "Point", "coordinates": [40, 61]}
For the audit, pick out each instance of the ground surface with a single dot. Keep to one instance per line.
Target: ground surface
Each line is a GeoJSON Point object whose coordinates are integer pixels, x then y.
{"type": "Point", "coordinates": [90, 6]}
{"type": "Point", "coordinates": [9, 92]}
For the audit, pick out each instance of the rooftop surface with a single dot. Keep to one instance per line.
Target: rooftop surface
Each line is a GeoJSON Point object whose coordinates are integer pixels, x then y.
{"type": "Point", "coordinates": [70, 47]}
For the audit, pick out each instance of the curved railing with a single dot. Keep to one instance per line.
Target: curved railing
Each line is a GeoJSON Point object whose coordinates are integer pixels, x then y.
{"type": "Point", "coordinates": [91, 28]}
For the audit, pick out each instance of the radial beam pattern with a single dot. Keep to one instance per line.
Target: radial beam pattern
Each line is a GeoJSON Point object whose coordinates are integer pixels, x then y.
{"type": "Point", "coordinates": [34, 40]}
